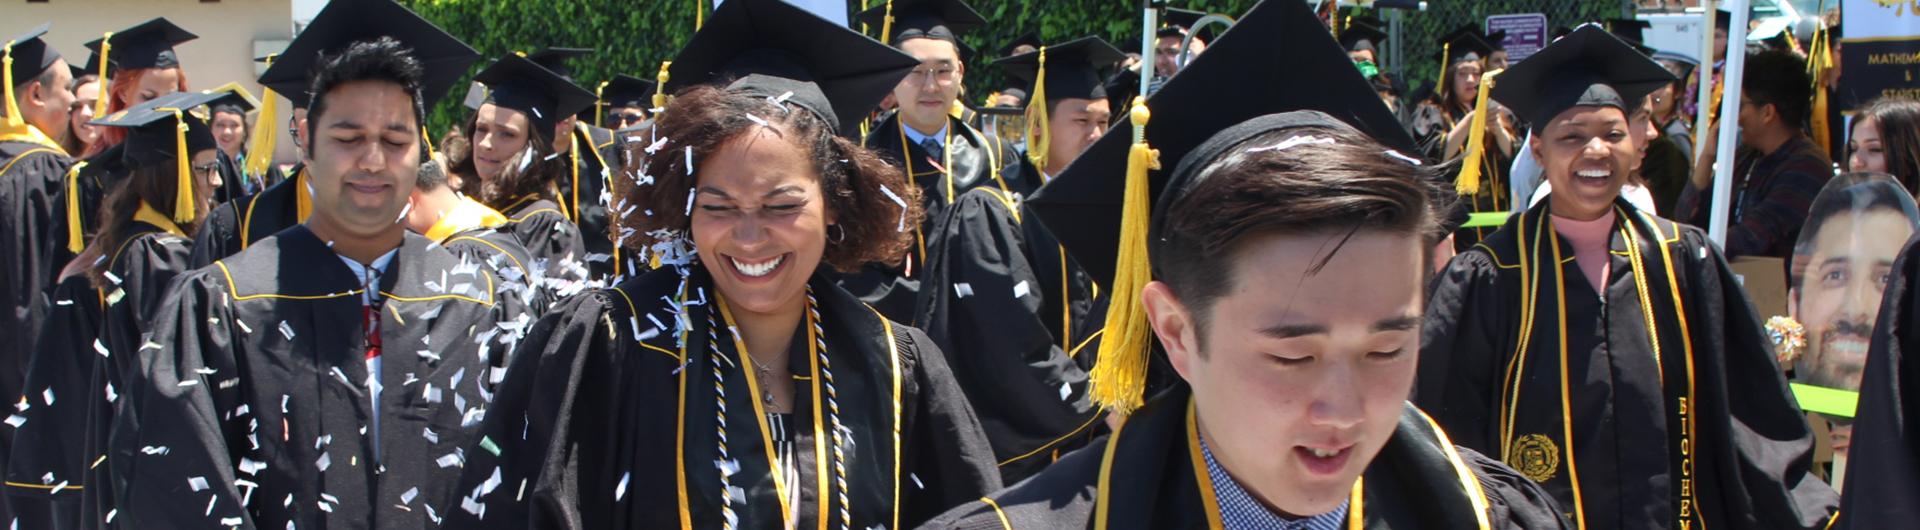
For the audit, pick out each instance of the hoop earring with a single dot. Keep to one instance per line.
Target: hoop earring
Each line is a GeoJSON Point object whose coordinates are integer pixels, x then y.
{"type": "Point", "coordinates": [836, 235]}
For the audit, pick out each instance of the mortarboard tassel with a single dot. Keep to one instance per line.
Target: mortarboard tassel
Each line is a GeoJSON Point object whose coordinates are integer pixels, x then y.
{"type": "Point", "coordinates": [886, 24]}
{"type": "Point", "coordinates": [427, 139]}
{"type": "Point", "coordinates": [100, 103]}
{"type": "Point", "coordinates": [260, 149]}
{"type": "Point", "coordinates": [1119, 376]}
{"type": "Point", "coordinates": [1469, 181]}
{"type": "Point", "coordinates": [76, 234]}
{"type": "Point", "coordinates": [183, 193]}
{"type": "Point", "coordinates": [699, 15]}
{"type": "Point", "coordinates": [660, 97]}
{"type": "Point", "coordinates": [6, 64]}
{"type": "Point", "coordinates": [1819, 61]}
{"type": "Point", "coordinates": [573, 157]}
{"type": "Point", "coordinates": [600, 105]}
{"type": "Point", "coordinates": [1440, 85]}
{"type": "Point", "coordinates": [1037, 116]}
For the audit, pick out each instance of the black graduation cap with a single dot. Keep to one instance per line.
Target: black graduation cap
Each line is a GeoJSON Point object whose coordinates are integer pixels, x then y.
{"type": "Point", "coordinates": [1073, 68]}
{"type": "Point", "coordinates": [1722, 19]}
{"type": "Point", "coordinates": [1175, 21]}
{"type": "Point", "coordinates": [147, 45]}
{"type": "Point", "coordinates": [1362, 33]}
{"type": "Point", "coordinates": [517, 83]}
{"type": "Point", "coordinates": [771, 47]}
{"type": "Point", "coordinates": [91, 67]}
{"type": "Point", "coordinates": [1030, 38]}
{"type": "Point", "coordinates": [31, 55]}
{"type": "Point", "coordinates": [1561, 31]}
{"type": "Point", "coordinates": [628, 91]}
{"type": "Point", "coordinates": [1589, 67]}
{"type": "Point", "coordinates": [1632, 31]}
{"type": "Point", "coordinates": [1496, 41]}
{"type": "Point", "coordinates": [1252, 70]}
{"type": "Point", "coordinates": [343, 22]}
{"type": "Point", "coordinates": [925, 19]}
{"type": "Point", "coordinates": [555, 59]}
{"type": "Point", "coordinates": [1464, 43]}
{"type": "Point", "coordinates": [154, 138]}
{"type": "Point", "coordinates": [233, 98]}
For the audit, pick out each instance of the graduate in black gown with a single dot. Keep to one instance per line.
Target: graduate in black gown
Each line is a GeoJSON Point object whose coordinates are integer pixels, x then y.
{"type": "Point", "coordinates": [737, 386]}
{"type": "Point", "coordinates": [1003, 299]}
{"type": "Point", "coordinates": [331, 375]}
{"type": "Point", "coordinates": [941, 154]}
{"type": "Point", "coordinates": [1879, 492]}
{"type": "Point", "coordinates": [476, 234]}
{"type": "Point", "coordinates": [1630, 375]}
{"type": "Point", "coordinates": [585, 189]}
{"type": "Point", "coordinates": [1286, 252]}
{"type": "Point", "coordinates": [521, 176]}
{"type": "Point", "coordinates": [288, 198]}
{"type": "Point", "coordinates": [32, 165]}
{"type": "Point", "coordinates": [129, 265]}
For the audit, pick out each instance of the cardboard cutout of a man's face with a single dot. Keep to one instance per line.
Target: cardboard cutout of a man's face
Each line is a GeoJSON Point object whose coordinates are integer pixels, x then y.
{"type": "Point", "coordinates": [1841, 265]}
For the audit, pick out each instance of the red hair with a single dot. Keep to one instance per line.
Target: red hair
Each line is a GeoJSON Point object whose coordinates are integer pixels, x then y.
{"type": "Point", "coordinates": [121, 91]}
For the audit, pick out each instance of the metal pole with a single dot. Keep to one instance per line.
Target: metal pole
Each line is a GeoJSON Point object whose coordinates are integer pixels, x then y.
{"type": "Point", "coordinates": [1149, 23]}
{"type": "Point", "coordinates": [1729, 124]}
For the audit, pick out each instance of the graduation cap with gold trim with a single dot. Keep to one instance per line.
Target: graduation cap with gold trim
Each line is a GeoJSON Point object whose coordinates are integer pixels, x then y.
{"type": "Point", "coordinates": [923, 19]}
{"type": "Point", "coordinates": [344, 22]}
{"type": "Point", "coordinates": [517, 83]}
{"type": "Point", "coordinates": [621, 91]}
{"type": "Point", "coordinates": [165, 131]}
{"type": "Point", "coordinates": [233, 98]}
{"type": "Point", "coordinates": [1589, 67]}
{"type": "Point", "coordinates": [773, 48]}
{"type": "Point", "coordinates": [26, 56]}
{"type": "Point", "coordinates": [1253, 70]}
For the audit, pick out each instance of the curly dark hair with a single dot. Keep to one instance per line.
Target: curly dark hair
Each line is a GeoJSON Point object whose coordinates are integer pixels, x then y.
{"type": "Point", "coordinates": [851, 177]}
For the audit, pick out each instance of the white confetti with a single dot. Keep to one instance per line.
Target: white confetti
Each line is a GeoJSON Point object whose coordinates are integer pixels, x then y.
{"type": "Point", "coordinates": [1021, 290]}
{"type": "Point", "coordinates": [756, 121]}
{"type": "Point", "coordinates": [689, 151]}
{"type": "Point", "coordinates": [101, 347]}
{"type": "Point", "coordinates": [1066, 391]}
{"type": "Point", "coordinates": [407, 498]}
{"type": "Point", "coordinates": [251, 466]}
{"type": "Point", "coordinates": [962, 290]}
{"type": "Point", "coordinates": [325, 461]}
{"type": "Point", "coordinates": [286, 330]}
{"type": "Point", "coordinates": [47, 395]}
{"type": "Point", "coordinates": [154, 450]}
{"type": "Point", "coordinates": [197, 483]}
{"type": "Point", "coordinates": [1403, 158]}
{"type": "Point", "coordinates": [1292, 143]}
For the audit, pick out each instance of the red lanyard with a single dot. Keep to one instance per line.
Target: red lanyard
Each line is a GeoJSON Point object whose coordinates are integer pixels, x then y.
{"type": "Point", "coordinates": [370, 315]}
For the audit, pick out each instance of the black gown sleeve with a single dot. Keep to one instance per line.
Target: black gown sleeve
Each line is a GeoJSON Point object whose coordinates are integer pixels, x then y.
{"type": "Point", "coordinates": [1771, 444]}
{"type": "Point", "coordinates": [981, 303]}
{"type": "Point", "coordinates": [1880, 490]}
{"type": "Point", "coordinates": [170, 441]}
{"type": "Point", "coordinates": [219, 235]}
{"type": "Point", "coordinates": [949, 461]}
{"type": "Point", "coordinates": [1460, 353]}
{"type": "Point", "coordinates": [47, 469]}
{"type": "Point", "coordinates": [1513, 501]}
{"type": "Point", "coordinates": [532, 423]}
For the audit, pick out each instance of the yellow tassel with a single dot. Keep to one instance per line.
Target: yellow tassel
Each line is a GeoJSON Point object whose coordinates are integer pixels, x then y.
{"type": "Point", "coordinates": [13, 109]}
{"type": "Point", "coordinates": [573, 156]}
{"type": "Point", "coordinates": [260, 148]}
{"type": "Point", "coordinates": [699, 15]}
{"type": "Point", "coordinates": [1440, 85]}
{"type": "Point", "coordinates": [653, 261]}
{"type": "Point", "coordinates": [600, 105]}
{"type": "Point", "coordinates": [1469, 181]}
{"type": "Point", "coordinates": [100, 103]}
{"type": "Point", "coordinates": [1819, 62]}
{"type": "Point", "coordinates": [183, 194]}
{"type": "Point", "coordinates": [886, 24]}
{"type": "Point", "coordinates": [1037, 116]}
{"type": "Point", "coordinates": [1119, 377]}
{"type": "Point", "coordinates": [660, 98]}
{"type": "Point", "coordinates": [76, 234]}
{"type": "Point", "coordinates": [427, 139]}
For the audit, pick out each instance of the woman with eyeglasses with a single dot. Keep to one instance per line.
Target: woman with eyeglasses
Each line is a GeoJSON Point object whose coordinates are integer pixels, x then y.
{"type": "Point", "coordinates": [97, 315]}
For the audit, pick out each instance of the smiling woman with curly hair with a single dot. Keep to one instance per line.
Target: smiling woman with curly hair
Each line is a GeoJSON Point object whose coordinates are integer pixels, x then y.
{"type": "Point", "coordinates": [736, 386]}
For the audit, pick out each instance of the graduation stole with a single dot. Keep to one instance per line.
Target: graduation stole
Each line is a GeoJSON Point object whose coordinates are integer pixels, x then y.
{"type": "Point", "coordinates": [832, 488]}
{"type": "Point", "coordinates": [467, 214]}
{"type": "Point", "coordinates": [1538, 450]}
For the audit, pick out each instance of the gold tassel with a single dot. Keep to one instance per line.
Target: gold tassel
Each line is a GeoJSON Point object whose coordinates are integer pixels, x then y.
{"type": "Point", "coordinates": [183, 194]}
{"type": "Point", "coordinates": [886, 24]}
{"type": "Point", "coordinates": [1820, 61]}
{"type": "Point", "coordinates": [573, 156]}
{"type": "Point", "coordinates": [76, 234]}
{"type": "Point", "coordinates": [699, 15]}
{"type": "Point", "coordinates": [427, 139]}
{"type": "Point", "coordinates": [1037, 139]}
{"type": "Point", "coordinates": [660, 98]}
{"type": "Point", "coordinates": [1440, 85]}
{"type": "Point", "coordinates": [100, 103]}
{"type": "Point", "coordinates": [1119, 377]}
{"type": "Point", "coordinates": [14, 120]}
{"type": "Point", "coordinates": [260, 149]}
{"type": "Point", "coordinates": [600, 105]}
{"type": "Point", "coordinates": [1469, 181]}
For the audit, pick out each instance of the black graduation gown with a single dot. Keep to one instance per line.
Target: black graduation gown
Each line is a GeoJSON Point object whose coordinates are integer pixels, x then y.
{"type": "Point", "coordinates": [253, 408]}
{"type": "Point", "coordinates": [586, 198]}
{"type": "Point", "coordinates": [508, 260]}
{"type": "Point", "coordinates": [975, 164]}
{"type": "Point", "coordinates": [554, 243]}
{"type": "Point", "coordinates": [1751, 449]}
{"type": "Point", "coordinates": [47, 470]}
{"type": "Point", "coordinates": [1002, 304]}
{"type": "Point", "coordinates": [1417, 481]}
{"type": "Point", "coordinates": [233, 183]}
{"type": "Point", "coordinates": [230, 227]}
{"type": "Point", "coordinates": [1883, 478]}
{"type": "Point", "coordinates": [601, 424]}
{"type": "Point", "coordinates": [32, 174]}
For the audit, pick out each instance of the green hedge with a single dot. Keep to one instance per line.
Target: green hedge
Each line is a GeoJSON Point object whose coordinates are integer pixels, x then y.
{"type": "Point", "coordinates": [633, 36]}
